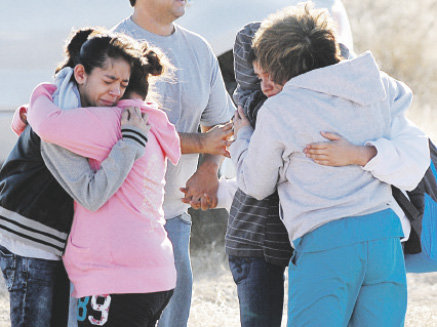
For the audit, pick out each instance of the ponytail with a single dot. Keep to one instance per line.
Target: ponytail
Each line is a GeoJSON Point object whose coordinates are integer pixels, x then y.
{"type": "Point", "coordinates": [152, 63]}
{"type": "Point", "coordinates": [91, 47]}
{"type": "Point", "coordinates": [72, 50]}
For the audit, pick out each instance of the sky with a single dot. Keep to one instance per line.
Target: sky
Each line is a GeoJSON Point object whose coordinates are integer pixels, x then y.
{"type": "Point", "coordinates": [32, 33]}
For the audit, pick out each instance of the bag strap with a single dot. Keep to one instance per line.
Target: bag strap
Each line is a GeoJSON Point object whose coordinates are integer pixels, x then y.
{"type": "Point", "coordinates": [406, 205]}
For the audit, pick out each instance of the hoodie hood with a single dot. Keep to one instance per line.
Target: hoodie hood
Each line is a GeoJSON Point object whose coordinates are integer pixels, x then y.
{"type": "Point", "coordinates": [357, 80]}
{"type": "Point", "coordinates": [164, 131]}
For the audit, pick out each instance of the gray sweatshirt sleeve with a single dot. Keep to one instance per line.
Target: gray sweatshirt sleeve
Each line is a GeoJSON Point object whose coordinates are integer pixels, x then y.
{"type": "Point", "coordinates": [403, 158]}
{"type": "Point", "coordinates": [90, 188]}
{"type": "Point", "coordinates": [258, 156]}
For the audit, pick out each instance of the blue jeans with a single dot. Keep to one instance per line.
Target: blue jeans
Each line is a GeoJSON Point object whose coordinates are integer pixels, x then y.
{"type": "Point", "coordinates": [72, 309]}
{"type": "Point", "coordinates": [38, 290]}
{"type": "Point", "coordinates": [178, 309]}
{"type": "Point", "coordinates": [260, 287]}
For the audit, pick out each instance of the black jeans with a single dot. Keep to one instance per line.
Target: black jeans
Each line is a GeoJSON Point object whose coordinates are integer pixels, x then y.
{"type": "Point", "coordinates": [120, 310]}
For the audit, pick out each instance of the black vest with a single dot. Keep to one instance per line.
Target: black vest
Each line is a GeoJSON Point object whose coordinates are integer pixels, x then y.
{"type": "Point", "coordinates": [33, 206]}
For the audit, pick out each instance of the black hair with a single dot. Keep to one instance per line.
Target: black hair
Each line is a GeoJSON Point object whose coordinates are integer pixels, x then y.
{"type": "Point", "coordinates": [91, 47]}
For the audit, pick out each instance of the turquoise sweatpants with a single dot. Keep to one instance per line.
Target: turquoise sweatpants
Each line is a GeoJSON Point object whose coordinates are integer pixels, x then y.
{"type": "Point", "coordinates": [357, 278]}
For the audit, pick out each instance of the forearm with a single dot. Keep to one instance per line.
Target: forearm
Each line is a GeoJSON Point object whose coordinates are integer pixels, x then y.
{"type": "Point", "coordinates": [192, 143]}
{"type": "Point", "coordinates": [211, 162]}
{"type": "Point", "coordinates": [401, 162]}
{"type": "Point", "coordinates": [363, 154]}
{"type": "Point", "coordinates": [213, 140]}
{"type": "Point", "coordinates": [402, 156]}
{"type": "Point", "coordinates": [91, 189]}
{"type": "Point", "coordinates": [257, 165]}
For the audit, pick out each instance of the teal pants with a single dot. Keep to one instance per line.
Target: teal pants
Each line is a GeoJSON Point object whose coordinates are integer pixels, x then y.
{"type": "Point", "coordinates": [351, 284]}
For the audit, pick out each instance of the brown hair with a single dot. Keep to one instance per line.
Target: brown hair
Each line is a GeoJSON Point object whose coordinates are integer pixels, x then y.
{"type": "Point", "coordinates": [294, 41]}
{"type": "Point", "coordinates": [152, 63]}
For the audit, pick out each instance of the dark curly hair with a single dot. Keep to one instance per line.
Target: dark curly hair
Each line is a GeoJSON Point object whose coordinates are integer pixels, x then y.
{"type": "Point", "coordinates": [152, 63]}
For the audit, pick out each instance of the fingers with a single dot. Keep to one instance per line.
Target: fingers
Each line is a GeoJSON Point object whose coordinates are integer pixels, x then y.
{"type": "Point", "coordinates": [316, 147]}
{"type": "Point", "coordinates": [228, 129]}
{"type": "Point", "coordinates": [145, 116]}
{"type": "Point", "coordinates": [195, 204]}
{"type": "Point", "coordinates": [317, 157]}
{"type": "Point", "coordinates": [227, 126]}
{"type": "Point", "coordinates": [331, 136]}
{"type": "Point", "coordinates": [207, 202]}
{"type": "Point", "coordinates": [241, 112]}
{"type": "Point", "coordinates": [125, 116]}
{"type": "Point", "coordinates": [317, 151]}
{"type": "Point", "coordinates": [135, 114]}
{"type": "Point", "coordinates": [204, 202]}
{"type": "Point", "coordinates": [213, 202]}
{"type": "Point", "coordinates": [23, 114]}
{"type": "Point", "coordinates": [134, 117]}
{"type": "Point", "coordinates": [236, 117]}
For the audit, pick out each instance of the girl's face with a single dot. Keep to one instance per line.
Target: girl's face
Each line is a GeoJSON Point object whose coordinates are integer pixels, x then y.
{"type": "Point", "coordinates": [103, 87]}
{"type": "Point", "coordinates": [268, 87]}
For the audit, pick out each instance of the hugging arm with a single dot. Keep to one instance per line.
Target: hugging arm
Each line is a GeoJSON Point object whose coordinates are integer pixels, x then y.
{"type": "Point", "coordinates": [401, 159]}
{"type": "Point", "coordinates": [92, 189]}
{"type": "Point", "coordinates": [78, 130]}
{"type": "Point", "coordinates": [257, 155]}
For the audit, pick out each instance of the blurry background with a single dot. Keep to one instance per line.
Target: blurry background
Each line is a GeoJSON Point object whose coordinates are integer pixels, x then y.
{"type": "Point", "coordinates": [32, 35]}
{"type": "Point", "coordinates": [401, 34]}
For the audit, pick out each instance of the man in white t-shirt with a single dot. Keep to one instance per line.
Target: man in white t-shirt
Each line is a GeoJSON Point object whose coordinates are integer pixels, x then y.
{"type": "Point", "coordinates": [195, 96]}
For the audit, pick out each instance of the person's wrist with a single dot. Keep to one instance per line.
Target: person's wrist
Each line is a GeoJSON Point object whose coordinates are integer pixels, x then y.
{"type": "Point", "coordinates": [202, 139]}
{"type": "Point", "coordinates": [209, 166]}
{"type": "Point", "coordinates": [243, 130]}
{"type": "Point", "coordinates": [366, 153]}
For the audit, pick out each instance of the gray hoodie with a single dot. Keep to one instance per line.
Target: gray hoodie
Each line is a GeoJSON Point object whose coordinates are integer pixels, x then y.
{"type": "Point", "coordinates": [352, 98]}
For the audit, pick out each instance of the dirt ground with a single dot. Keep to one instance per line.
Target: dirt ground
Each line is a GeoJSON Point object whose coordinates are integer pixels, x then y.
{"type": "Point", "coordinates": [215, 302]}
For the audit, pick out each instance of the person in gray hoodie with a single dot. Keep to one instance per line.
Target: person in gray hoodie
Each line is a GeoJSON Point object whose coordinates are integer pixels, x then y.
{"type": "Point", "coordinates": [342, 222]}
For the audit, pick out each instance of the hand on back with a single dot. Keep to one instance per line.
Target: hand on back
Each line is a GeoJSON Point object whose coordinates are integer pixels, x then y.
{"type": "Point", "coordinates": [217, 139]}
{"type": "Point", "coordinates": [339, 152]}
{"type": "Point", "coordinates": [133, 117]}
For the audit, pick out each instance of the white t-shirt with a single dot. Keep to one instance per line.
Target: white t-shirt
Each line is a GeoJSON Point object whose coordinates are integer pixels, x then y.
{"type": "Point", "coordinates": [195, 95]}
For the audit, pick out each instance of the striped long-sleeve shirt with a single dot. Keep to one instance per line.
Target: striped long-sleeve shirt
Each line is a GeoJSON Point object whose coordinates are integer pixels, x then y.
{"type": "Point", "coordinates": [254, 228]}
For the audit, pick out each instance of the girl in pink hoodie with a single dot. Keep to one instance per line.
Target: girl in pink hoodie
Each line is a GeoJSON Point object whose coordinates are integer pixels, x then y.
{"type": "Point", "coordinates": [119, 256]}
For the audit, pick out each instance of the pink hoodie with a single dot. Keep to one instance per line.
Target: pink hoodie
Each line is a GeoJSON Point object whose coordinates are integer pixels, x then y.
{"type": "Point", "coordinates": [123, 247]}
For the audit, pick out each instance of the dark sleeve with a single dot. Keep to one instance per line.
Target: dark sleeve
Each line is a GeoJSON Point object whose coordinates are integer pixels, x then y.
{"type": "Point", "coordinates": [248, 93]}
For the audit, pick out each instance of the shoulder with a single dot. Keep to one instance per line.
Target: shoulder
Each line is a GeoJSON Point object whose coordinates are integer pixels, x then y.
{"type": "Point", "coordinates": [285, 108]}
{"type": "Point", "coordinates": [396, 90]}
{"type": "Point", "coordinates": [285, 100]}
{"type": "Point", "coordinates": [247, 32]}
{"type": "Point", "coordinates": [194, 40]}
{"type": "Point", "coordinates": [243, 40]}
{"type": "Point", "coordinates": [122, 27]}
